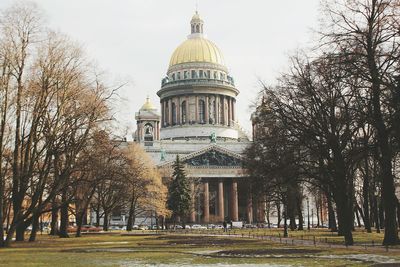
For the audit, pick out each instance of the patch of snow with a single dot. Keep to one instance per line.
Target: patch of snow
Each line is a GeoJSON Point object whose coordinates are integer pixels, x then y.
{"type": "Point", "coordinates": [362, 257]}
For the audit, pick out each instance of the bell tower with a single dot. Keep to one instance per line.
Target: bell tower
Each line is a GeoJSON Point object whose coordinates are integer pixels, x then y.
{"type": "Point", "coordinates": [148, 124]}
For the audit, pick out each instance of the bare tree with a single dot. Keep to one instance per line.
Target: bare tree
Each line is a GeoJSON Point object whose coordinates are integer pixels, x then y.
{"type": "Point", "coordinates": [369, 31]}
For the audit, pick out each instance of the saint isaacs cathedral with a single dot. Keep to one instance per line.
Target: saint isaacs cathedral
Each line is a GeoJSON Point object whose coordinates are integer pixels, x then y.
{"type": "Point", "coordinates": [198, 122]}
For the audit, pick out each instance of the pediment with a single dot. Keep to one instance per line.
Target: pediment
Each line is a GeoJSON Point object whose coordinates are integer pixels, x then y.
{"type": "Point", "coordinates": [213, 156]}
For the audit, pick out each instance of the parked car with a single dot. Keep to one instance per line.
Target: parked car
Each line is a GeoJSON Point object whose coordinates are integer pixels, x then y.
{"type": "Point", "coordinates": [114, 228]}
{"type": "Point", "coordinates": [196, 226]}
{"type": "Point", "coordinates": [251, 226]}
{"type": "Point", "coordinates": [218, 226]}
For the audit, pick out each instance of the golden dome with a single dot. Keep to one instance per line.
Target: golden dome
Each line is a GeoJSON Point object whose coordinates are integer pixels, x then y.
{"type": "Point", "coordinates": [148, 105]}
{"type": "Point", "coordinates": [197, 49]}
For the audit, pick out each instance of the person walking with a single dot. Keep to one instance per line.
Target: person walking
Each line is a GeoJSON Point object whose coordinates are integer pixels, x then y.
{"type": "Point", "coordinates": [225, 225]}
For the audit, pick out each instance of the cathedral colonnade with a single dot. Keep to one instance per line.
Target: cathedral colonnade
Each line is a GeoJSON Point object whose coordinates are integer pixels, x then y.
{"type": "Point", "coordinates": [214, 109]}
{"type": "Point", "coordinates": [227, 199]}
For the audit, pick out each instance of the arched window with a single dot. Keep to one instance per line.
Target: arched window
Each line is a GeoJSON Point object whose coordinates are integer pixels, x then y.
{"type": "Point", "coordinates": [202, 110]}
{"type": "Point", "coordinates": [148, 132]}
{"type": "Point", "coordinates": [197, 28]}
{"type": "Point", "coordinates": [183, 113]}
{"type": "Point", "coordinates": [173, 114]}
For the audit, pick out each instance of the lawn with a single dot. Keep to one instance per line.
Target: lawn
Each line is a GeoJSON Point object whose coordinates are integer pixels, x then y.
{"type": "Point", "coordinates": [360, 236]}
{"type": "Point", "coordinates": [180, 250]}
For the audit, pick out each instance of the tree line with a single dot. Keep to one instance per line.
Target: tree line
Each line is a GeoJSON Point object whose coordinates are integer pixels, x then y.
{"type": "Point", "coordinates": [57, 154]}
{"type": "Point", "coordinates": [331, 124]}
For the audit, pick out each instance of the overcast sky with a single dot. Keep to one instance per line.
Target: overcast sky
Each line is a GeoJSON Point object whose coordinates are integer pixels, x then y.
{"type": "Point", "coordinates": [134, 39]}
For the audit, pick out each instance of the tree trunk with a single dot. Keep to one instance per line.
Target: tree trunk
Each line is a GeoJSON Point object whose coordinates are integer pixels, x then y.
{"type": "Point", "coordinates": [278, 211]}
{"type": "Point", "coordinates": [300, 213]}
{"type": "Point", "coordinates": [360, 211]}
{"type": "Point", "coordinates": [376, 215]}
{"type": "Point", "coordinates": [20, 232]}
{"type": "Point", "coordinates": [398, 213]}
{"type": "Point", "coordinates": [54, 222]}
{"type": "Point", "coordinates": [381, 214]}
{"type": "Point", "coordinates": [105, 222]}
{"type": "Point", "coordinates": [357, 217]}
{"type": "Point", "coordinates": [345, 212]}
{"type": "Point", "coordinates": [382, 137]}
{"type": "Point", "coordinates": [79, 222]}
{"type": "Point", "coordinates": [317, 210]}
{"type": "Point", "coordinates": [366, 206]}
{"type": "Point", "coordinates": [321, 210]}
{"type": "Point", "coordinates": [64, 220]}
{"type": "Point", "coordinates": [1, 208]}
{"type": "Point", "coordinates": [331, 215]}
{"type": "Point", "coordinates": [97, 217]}
{"type": "Point", "coordinates": [35, 228]}
{"type": "Point", "coordinates": [131, 220]}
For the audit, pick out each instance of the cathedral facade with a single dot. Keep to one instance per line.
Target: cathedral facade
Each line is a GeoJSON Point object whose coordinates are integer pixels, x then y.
{"type": "Point", "coordinates": [198, 122]}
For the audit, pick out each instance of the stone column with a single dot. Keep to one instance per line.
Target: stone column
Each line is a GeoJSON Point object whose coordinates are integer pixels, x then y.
{"type": "Point", "coordinates": [233, 109]}
{"type": "Point", "coordinates": [196, 109]}
{"type": "Point", "coordinates": [170, 112]}
{"type": "Point", "coordinates": [226, 111]}
{"type": "Point", "coordinates": [234, 201]}
{"type": "Point", "coordinates": [206, 111]}
{"type": "Point", "coordinates": [162, 112]}
{"type": "Point", "coordinates": [221, 211]}
{"type": "Point", "coordinates": [155, 131]}
{"type": "Point", "coordinates": [217, 114]}
{"type": "Point", "coordinates": [192, 205]}
{"type": "Point", "coordinates": [229, 111]}
{"type": "Point", "coordinates": [249, 207]}
{"type": "Point", "coordinates": [206, 217]}
{"type": "Point", "coordinates": [187, 111]}
{"type": "Point", "coordinates": [178, 111]}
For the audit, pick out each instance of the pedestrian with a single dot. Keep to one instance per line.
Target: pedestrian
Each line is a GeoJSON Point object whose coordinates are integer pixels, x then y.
{"type": "Point", "coordinates": [225, 225]}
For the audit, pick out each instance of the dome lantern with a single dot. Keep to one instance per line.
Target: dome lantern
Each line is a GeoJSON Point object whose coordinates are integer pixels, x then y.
{"type": "Point", "coordinates": [196, 24]}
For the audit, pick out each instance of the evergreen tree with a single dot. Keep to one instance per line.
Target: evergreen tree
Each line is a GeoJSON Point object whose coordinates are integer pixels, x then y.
{"type": "Point", "coordinates": [179, 198]}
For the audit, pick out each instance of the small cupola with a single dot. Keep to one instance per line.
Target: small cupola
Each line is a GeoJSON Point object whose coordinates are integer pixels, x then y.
{"type": "Point", "coordinates": [196, 24]}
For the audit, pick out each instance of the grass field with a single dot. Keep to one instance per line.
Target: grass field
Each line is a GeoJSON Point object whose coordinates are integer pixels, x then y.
{"type": "Point", "coordinates": [181, 250]}
{"type": "Point", "coordinates": [360, 236]}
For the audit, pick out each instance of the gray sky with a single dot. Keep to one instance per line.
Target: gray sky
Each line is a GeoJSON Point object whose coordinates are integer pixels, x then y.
{"type": "Point", "coordinates": [134, 39]}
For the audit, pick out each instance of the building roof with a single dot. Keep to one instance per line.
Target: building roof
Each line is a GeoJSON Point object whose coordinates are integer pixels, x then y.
{"type": "Point", "coordinates": [197, 49]}
{"type": "Point", "coordinates": [147, 106]}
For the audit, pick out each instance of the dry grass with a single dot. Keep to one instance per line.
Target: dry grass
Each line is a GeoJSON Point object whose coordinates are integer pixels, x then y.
{"type": "Point", "coordinates": [173, 250]}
